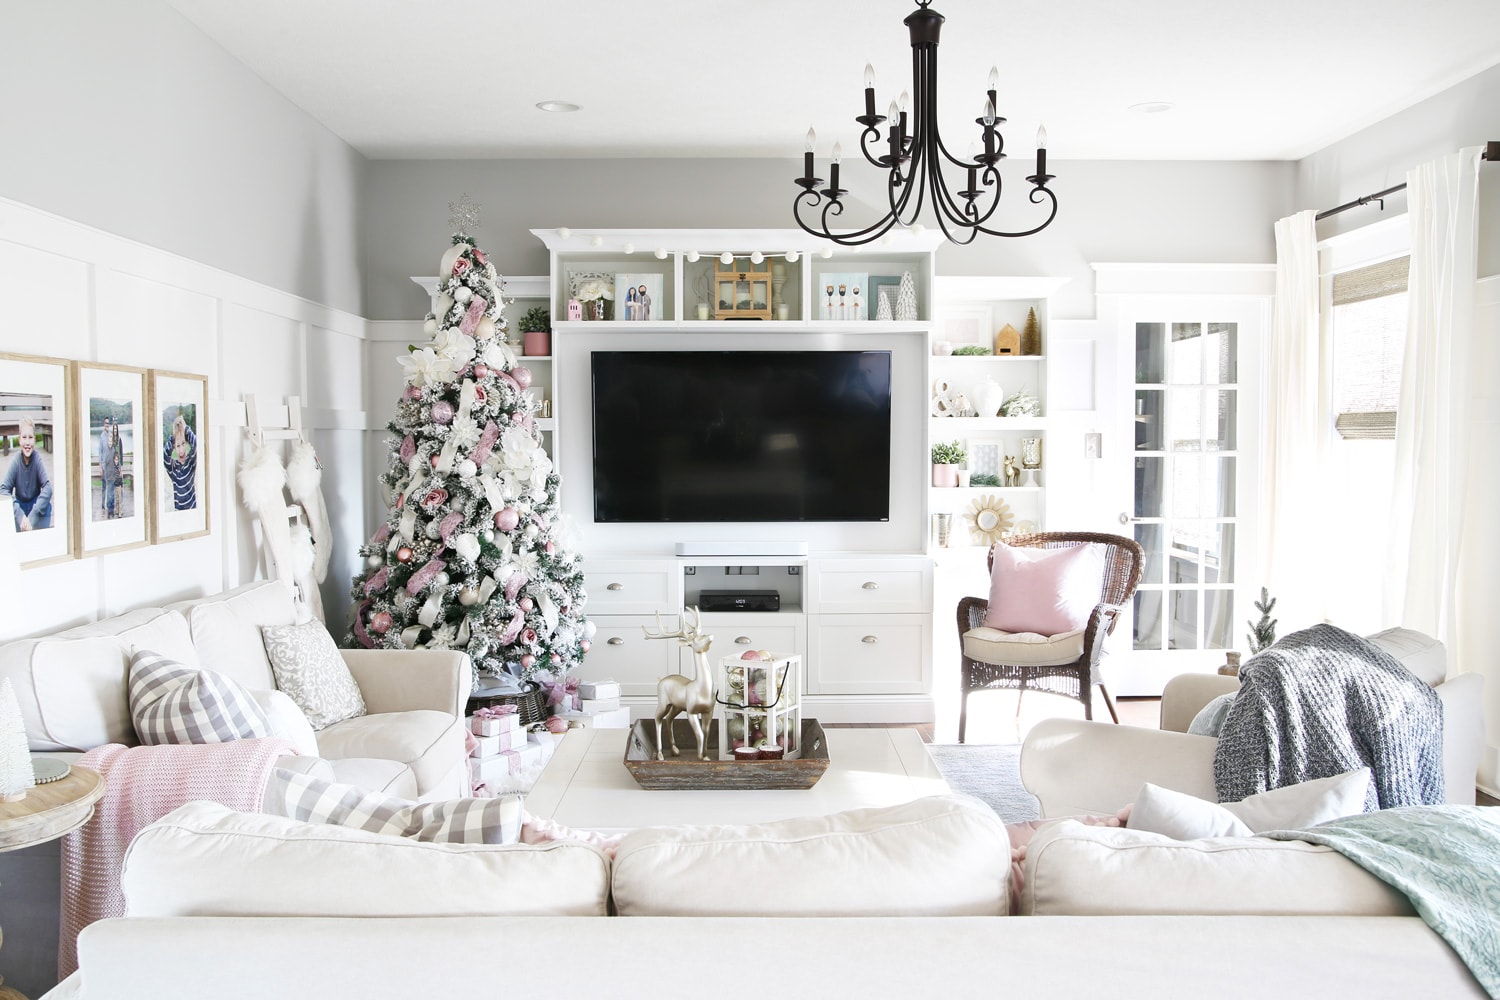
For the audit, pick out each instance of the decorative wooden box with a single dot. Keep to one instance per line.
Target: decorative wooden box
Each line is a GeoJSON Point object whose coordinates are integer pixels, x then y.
{"type": "Point", "coordinates": [687, 773]}
{"type": "Point", "coordinates": [742, 289]}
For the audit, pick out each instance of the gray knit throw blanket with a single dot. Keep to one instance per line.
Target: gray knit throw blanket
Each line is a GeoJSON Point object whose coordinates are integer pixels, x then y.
{"type": "Point", "coordinates": [1322, 702]}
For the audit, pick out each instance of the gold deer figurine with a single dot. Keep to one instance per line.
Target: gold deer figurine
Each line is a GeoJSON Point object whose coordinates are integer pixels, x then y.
{"type": "Point", "coordinates": [678, 695]}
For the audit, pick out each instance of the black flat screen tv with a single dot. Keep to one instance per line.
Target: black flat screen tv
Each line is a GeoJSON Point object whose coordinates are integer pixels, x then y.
{"type": "Point", "coordinates": [748, 436]}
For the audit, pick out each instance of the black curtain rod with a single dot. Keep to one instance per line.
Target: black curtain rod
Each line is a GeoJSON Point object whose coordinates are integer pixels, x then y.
{"type": "Point", "coordinates": [1491, 153]}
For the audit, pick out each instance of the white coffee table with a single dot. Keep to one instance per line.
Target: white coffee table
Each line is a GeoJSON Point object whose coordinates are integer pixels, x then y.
{"type": "Point", "coordinates": [586, 784]}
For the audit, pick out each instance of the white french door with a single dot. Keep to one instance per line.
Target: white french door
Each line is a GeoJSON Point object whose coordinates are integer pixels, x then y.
{"type": "Point", "coordinates": [1190, 389]}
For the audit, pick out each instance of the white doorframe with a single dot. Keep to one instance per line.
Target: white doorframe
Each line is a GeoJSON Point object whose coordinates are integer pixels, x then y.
{"type": "Point", "coordinates": [1239, 294]}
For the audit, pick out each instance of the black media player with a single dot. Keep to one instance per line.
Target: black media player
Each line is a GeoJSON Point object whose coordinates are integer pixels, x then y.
{"type": "Point", "coordinates": [739, 600]}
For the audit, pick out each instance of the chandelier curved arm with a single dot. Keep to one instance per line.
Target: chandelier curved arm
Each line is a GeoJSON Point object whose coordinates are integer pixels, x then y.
{"type": "Point", "coordinates": [834, 209]}
{"type": "Point", "coordinates": [871, 132]}
{"type": "Point", "coordinates": [1035, 200]}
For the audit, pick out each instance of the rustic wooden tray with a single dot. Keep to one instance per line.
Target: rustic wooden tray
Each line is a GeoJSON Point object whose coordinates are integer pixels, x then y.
{"type": "Point", "coordinates": [688, 773]}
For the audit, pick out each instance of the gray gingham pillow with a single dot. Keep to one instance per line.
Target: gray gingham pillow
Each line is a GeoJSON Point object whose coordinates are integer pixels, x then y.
{"type": "Point", "coordinates": [310, 671]}
{"type": "Point", "coordinates": [456, 821]}
{"type": "Point", "coordinates": [171, 702]}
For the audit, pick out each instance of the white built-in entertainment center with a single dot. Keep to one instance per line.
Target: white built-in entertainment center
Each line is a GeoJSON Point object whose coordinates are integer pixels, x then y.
{"type": "Point", "coordinates": [855, 597]}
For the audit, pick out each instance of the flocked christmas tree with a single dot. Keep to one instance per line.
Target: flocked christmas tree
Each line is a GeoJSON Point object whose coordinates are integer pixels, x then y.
{"type": "Point", "coordinates": [470, 556]}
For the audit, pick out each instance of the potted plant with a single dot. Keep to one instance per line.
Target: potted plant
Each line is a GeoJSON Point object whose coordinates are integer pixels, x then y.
{"type": "Point", "coordinates": [947, 456]}
{"type": "Point", "coordinates": [536, 332]}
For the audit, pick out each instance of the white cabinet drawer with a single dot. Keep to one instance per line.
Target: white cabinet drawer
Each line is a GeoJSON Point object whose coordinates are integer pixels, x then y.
{"type": "Point", "coordinates": [869, 654]}
{"type": "Point", "coordinates": [871, 586]}
{"type": "Point", "coordinates": [631, 588]}
{"type": "Point", "coordinates": [620, 651]}
{"type": "Point", "coordinates": [779, 633]}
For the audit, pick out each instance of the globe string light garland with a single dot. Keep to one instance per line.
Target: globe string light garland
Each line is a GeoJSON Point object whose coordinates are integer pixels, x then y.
{"type": "Point", "coordinates": [914, 159]}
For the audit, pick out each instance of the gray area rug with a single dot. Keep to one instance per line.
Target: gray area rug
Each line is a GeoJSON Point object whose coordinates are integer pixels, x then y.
{"type": "Point", "coordinates": [991, 772]}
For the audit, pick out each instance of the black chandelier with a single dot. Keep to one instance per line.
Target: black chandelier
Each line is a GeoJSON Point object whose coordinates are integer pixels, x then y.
{"type": "Point", "coordinates": [914, 158]}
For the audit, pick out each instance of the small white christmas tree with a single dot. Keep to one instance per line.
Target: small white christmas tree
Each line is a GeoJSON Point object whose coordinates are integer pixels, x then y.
{"type": "Point", "coordinates": [16, 775]}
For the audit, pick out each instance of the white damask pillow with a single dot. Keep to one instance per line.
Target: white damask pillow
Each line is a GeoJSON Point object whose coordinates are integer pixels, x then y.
{"type": "Point", "coordinates": [310, 671]}
{"type": "Point", "coordinates": [456, 821]}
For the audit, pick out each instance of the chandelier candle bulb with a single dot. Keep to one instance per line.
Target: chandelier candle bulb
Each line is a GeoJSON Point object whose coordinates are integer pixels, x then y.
{"type": "Point", "coordinates": [869, 91]}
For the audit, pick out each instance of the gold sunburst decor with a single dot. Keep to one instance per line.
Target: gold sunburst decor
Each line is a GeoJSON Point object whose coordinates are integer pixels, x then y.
{"type": "Point", "coordinates": [989, 518]}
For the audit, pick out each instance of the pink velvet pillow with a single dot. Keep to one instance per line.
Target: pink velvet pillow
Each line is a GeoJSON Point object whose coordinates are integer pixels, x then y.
{"type": "Point", "coordinates": [1046, 591]}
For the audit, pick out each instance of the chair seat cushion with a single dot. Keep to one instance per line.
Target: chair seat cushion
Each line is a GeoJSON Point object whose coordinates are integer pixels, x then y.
{"type": "Point", "coordinates": [1023, 649]}
{"type": "Point", "coordinates": [428, 741]}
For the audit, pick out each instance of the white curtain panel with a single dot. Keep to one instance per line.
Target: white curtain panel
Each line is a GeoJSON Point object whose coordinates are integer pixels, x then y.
{"type": "Point", "coordinates": [1291, 445]}
{"type": "Point", "coordinates": [1432, 500]}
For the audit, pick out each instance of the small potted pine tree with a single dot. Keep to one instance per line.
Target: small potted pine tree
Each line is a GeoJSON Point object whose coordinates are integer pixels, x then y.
{"type": "Point", "coordinates": [536, 332]}
{"type": "Point", "coordinates": [947, 456]}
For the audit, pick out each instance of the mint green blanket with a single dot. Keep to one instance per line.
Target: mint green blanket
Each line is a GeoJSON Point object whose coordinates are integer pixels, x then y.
{"type": "Point", "coordinates": [1446, 859]}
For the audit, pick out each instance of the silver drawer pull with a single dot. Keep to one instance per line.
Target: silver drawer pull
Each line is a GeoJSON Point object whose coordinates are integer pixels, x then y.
{"type": "Point", "coordinates": [870, 639]}
{"type": "Point", "coordinates": [742, 640]}
{"type": "Point", "coordinates": [615, 586]}
{"type": "Point", "coordinates": [615, 640]}
{"type": "Point", "coordinates": [871, 585]}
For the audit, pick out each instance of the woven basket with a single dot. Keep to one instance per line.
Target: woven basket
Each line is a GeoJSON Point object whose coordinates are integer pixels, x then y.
{"type": "Point", "coordinates": [531, 703]}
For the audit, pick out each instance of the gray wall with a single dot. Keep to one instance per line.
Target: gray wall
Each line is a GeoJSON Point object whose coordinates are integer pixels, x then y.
{"type": "Point", "coordinates": [1379, 156]}
{"type": "Point", "coordinates": [123, 115]}
{"type": "Point", "coordinates": [1109, 211]}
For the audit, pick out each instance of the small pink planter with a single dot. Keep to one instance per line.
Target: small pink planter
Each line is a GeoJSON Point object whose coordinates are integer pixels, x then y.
{"type": "Point", "coordinates": [945, 475]}
{"type": "Point", "coordinates": [537, 344]}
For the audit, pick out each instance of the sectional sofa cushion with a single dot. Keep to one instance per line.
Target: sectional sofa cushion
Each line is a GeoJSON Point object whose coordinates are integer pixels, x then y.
{"type": "Point", "coordinates": [310, 671]}
{"type": "Point", "coordinates": [1077, 870]}
{"type": "Point", "coordinates": [226, 628]}
{"type": "Point", "coordinates": [71, 686]}
{"type": "Point", "coordinates": [171, 702]}
{"type": "Point", "coordinates": [287, 721]}
{"type": "Point", "coordinates": [1293, 807]}
{"type": "Point", "coordinates": [205, 860]}
{"type": "Point", "coordinates": [938, 856]}
{"type": "Point", "coordinates": [454, 821]}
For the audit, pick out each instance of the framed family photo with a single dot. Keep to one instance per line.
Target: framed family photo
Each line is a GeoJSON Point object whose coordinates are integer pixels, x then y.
{"type": "Point", "coordinates": [638, 297]}
{"type": "Point", "coordinates": [113, 443]}
{"type": "Point", "coordinates": [36, 468]}
{"type": "Point", "coordinates": [178, 404]}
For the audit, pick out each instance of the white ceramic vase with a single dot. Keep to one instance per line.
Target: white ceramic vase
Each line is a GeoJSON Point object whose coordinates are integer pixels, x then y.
{"type": "Point", "coordinates": [988, 397]}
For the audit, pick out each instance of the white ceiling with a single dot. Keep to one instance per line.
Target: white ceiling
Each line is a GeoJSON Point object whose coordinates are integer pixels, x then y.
{"type": "Point", "coordinates": [1268, 79]}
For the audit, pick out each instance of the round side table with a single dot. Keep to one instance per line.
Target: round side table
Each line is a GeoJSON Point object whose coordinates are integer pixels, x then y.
{"type": "Point", "coordinates": [46, 813]}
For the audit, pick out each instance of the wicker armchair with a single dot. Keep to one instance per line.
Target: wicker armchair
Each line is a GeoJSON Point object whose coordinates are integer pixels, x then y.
{"type": "Point", "coordinates": [1057, 664]}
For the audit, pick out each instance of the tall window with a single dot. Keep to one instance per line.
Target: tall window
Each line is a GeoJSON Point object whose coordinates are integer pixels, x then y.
{"type": "Point", "coordinates": [1366, 332]}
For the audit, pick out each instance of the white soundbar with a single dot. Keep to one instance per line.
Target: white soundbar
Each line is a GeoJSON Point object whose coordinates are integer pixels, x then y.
{"type": "Point", "coordinates": [742, 548]}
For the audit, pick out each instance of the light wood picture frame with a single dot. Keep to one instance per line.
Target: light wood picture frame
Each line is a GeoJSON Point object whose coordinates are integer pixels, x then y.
{"type": "Point", "coordinates": [178, 455]}
{"type": "Point", "coordinates": [35, 396]}
{"type": "Point", "coordinates": [113, 512]}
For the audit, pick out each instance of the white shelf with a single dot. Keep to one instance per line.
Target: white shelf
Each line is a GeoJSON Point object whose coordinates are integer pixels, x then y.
{"type": "Point", "coordinates": [985, 425]}
{"type": "Point", "coordinates": [987, 358]}
{"type": "Point", "coordinates": [970, 490]}
{"type": "Point", "coordinates": [739, 326]}
{"type": "Point", "coordinates": [523, 358]}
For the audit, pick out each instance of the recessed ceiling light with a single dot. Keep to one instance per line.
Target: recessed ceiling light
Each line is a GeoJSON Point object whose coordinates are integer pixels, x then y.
{"type": "Point", "coordinates": [1152, 107]}
{"type": "Point", "coordinates": [559, 106]}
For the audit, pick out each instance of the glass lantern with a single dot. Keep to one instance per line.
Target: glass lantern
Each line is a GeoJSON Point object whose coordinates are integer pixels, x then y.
{"type": "Point", "coordinates": [762, 701]}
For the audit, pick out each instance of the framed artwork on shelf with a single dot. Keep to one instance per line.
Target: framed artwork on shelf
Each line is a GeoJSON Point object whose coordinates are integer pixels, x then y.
{"type": "Point", "coordinates": [842, 296]}
{"type": "Point", "coordinates": [113, 441]}
{"type": "Point", "coordinates": [178, 405]}
{"type": "Point", "coordinates": [966, 327]}
{"type": "Point", "coordinates": [890, 285]}
{"type": "Point", "coordinates": [638, 297]}
{"type": "Point", "coordinates": [36, 457]}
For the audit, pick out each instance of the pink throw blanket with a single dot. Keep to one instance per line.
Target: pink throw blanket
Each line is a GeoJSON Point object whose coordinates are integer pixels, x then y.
{"type": "Point", "coordinates": [143, 784]}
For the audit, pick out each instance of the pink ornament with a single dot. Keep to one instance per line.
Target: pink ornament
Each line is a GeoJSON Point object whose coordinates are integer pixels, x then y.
{"type": "Point", "coordinates": [526, 603]}
{"type": "Point", "coordinates": [506, 519]}
{"type": "Point", "coordinates": [555, 723]}
{"type": "Point", "coordinates": [528, 661]}
{"type": "Point", "coordinates": [481, 371]}
{"type": "Point", "coordinates": [551, 547]}
{"type": "Point", "coordinates": [381, 623]}
{"type": "Point", "coordinates": [442, 412]}
{"type": "Point", "coordinates": [556, 659]}
{"type": "Point", "coordinates": [404, 554]}
{"type": "Point", "coordinates": [412, 394]}
{"type": "Point", "coordinates": [528, 635]}
{"type": "Point", "coordinates": [522, 377]}
{"type": "Point", "coordinates": [585, 645]}
{"type": "Point", "coordinates": [510, 379]}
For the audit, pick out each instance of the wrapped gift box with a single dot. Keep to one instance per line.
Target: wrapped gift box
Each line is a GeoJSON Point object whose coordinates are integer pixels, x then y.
{"type": "Point", "coordinates": [494, 771]}
{"type": "Point", "coordinates": [491, 745]}
{"type": "Point", "coordinates": [493, 726]}
{"type": "Point", "coordinates": [599, 690]}
{"type": "Point", "coordinates": [618, 719]}
{"type": "Point", "coordinates": [598, 706]}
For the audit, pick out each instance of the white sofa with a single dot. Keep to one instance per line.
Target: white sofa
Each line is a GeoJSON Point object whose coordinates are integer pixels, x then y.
{"type": "Point", "coordinates": [71, 687]}
{"type": "Point", "coordinates": [1075, 767]}
{"type": "Point", "coordinates": [899, 902]}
